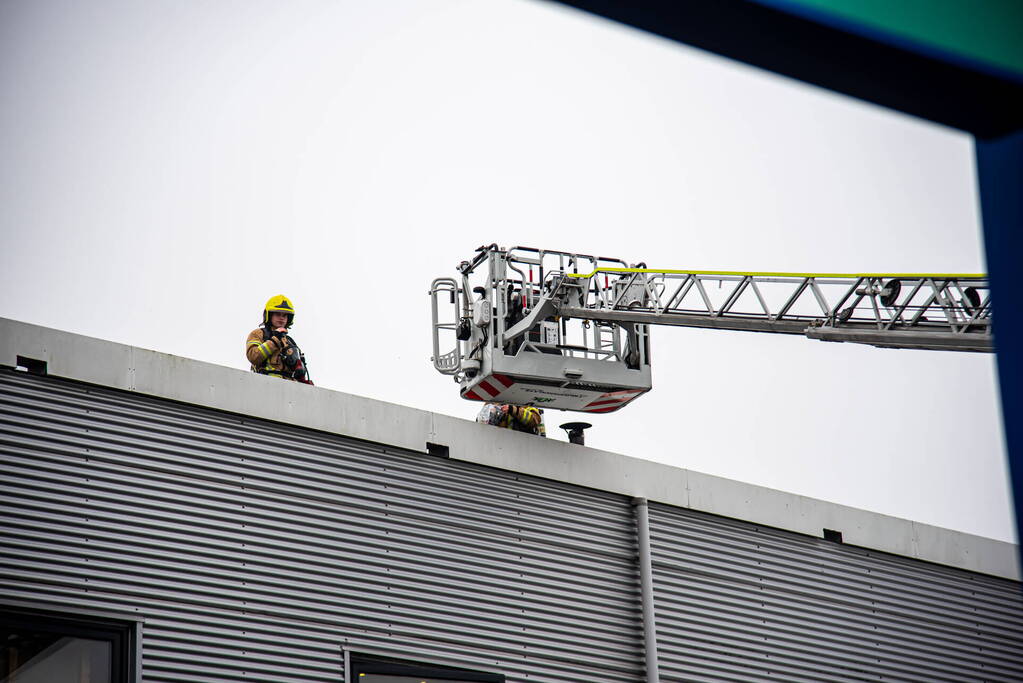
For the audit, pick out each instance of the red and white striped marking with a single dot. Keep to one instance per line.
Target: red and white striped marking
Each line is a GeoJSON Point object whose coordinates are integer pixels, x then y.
{"type": "Point", "coordinates": [500, 388]}
{"type": "Point", "coordinates": [490, 388]}
{"type": "Point", "coordinates": [612, 400]}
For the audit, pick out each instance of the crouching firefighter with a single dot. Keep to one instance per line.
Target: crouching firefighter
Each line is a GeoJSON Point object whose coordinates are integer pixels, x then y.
{"type": "Point", "coordinates": [270, 349]}
{"type": "Point", "coordinates": [518, 418]}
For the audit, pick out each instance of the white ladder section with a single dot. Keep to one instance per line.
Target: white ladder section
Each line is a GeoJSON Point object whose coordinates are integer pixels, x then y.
{"type": "Point", "coordinates": [949, 312]}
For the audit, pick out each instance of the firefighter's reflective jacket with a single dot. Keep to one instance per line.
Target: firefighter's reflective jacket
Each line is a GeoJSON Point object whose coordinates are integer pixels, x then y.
{"type": "Point", "coordinates": [520, 418]}
{"type": "Point", "coordinates": [264, 353]}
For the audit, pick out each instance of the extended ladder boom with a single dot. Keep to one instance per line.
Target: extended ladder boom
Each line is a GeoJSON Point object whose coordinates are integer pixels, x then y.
{"type": "Point", "coordinates": [949, 312]}
{"type": "Point", "coordinates": [571, 331]}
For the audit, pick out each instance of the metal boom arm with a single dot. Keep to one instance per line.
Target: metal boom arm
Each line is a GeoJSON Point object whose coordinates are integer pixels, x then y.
{"type": "Point", "coordinates": [950, 312]}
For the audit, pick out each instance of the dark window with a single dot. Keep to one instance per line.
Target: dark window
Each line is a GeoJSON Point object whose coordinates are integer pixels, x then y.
{"type": "Point", "coordinates": [370, 669]}
{"type": "Point", "coordinates": [48, 647]}
{"type": "Point", "coordinates": [32, 365]}
{"type": "Point", "coordinates": [832, 535]}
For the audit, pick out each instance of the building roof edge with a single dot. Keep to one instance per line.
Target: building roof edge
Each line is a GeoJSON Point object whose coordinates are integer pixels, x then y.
{"type": "Point", "coordinates": [119, 366]}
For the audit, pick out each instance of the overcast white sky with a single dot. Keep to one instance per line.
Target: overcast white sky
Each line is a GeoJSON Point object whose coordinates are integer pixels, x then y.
{"type": "Point", "coordinates": [168, 166]}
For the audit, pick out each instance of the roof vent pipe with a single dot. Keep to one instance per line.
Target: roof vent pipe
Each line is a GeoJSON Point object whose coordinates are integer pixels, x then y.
{"type": "Point", "coordinates": [575, 431]}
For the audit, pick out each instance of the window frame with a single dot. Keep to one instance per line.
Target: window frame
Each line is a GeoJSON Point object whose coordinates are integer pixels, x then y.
{"type": "Point", "coordinates": [361, 662]}
{"type": "Point", "coordinates": [123, 632]}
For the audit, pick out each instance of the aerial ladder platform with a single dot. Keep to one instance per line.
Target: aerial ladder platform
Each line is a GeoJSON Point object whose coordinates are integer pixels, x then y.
{"type": "Point", "coordinates": [571, 331]}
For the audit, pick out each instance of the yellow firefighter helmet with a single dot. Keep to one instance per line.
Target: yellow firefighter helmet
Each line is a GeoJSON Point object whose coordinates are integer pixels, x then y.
{"type": "Point", "coordinates": [279, 304]}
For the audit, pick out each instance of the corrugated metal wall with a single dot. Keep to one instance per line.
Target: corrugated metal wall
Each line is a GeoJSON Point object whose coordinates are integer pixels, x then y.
{"type": "Point", "coordinates": [255, 551]}
{"type": "Point", "coordinates": [740, 603]}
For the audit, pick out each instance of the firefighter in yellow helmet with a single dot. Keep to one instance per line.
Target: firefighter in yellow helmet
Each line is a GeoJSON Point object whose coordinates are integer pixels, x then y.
{"type": "Point", "coordinates": [519, 418]}
{"type": "Point", "coordinates": [270, 349]}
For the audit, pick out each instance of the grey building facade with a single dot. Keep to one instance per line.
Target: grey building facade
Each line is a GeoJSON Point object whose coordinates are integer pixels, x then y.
{"type": "Point", "coordinates": [236, 527]}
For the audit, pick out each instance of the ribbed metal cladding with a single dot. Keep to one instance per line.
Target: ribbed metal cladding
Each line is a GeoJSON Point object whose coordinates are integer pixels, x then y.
{"type": "Point", "coordinates": [255, 551]}
{"type": "Point", "coordinates": [737, 602]}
